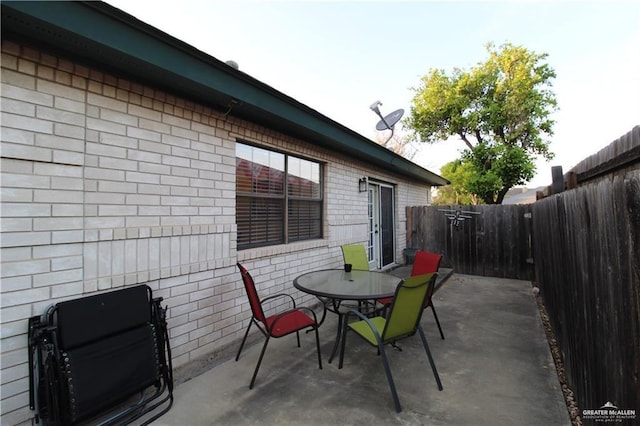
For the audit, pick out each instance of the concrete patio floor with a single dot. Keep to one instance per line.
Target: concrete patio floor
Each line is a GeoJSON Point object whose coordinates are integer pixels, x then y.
{"type": "Point", "coordinates": [495, 366]}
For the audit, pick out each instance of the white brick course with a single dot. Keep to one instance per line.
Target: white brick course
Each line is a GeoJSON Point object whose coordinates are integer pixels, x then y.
{"type": "Point", "coordinates": [69, 131]}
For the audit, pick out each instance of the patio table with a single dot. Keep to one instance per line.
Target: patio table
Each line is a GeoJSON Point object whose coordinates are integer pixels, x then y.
{"type": "Point", "coordinates": [336, 285]}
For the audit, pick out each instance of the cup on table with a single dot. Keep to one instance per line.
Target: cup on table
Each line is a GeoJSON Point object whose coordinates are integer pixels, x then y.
{"type": "Point", "coordinates": [347, 267]}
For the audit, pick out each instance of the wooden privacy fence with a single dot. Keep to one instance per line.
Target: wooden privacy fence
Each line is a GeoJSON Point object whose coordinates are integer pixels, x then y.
{"type": "Point", "coordinates": [587, 261]}
{"type": "Point", "coordinates": [582, 247]}
{"type": "Point", "coordinates": [587, 258]}
{"type": "Point", "coordinates": [495, 242]}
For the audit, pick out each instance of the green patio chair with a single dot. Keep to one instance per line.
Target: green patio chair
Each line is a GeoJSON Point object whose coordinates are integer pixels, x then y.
{"type": "Point", "coordinates": [356, 255]}
{"type": "Point", "coordinates": [424, 263]}
{"type": "Point", "coordinates": [402, 321]}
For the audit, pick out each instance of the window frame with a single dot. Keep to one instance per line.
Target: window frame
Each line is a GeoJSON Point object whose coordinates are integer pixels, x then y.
{"type": "Point", "coordinates": [285, 197]}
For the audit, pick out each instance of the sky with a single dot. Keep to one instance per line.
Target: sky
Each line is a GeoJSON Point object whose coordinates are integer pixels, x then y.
{"type": "Point", "coordinates": [338, 57]}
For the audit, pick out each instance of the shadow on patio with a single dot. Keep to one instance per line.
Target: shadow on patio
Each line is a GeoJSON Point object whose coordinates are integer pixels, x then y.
{"type": "Point", "coordinates": [495, 367]}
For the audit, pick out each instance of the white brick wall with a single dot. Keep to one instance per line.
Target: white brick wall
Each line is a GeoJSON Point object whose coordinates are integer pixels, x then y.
{"type": "Point", "coordinates": [106, 183]}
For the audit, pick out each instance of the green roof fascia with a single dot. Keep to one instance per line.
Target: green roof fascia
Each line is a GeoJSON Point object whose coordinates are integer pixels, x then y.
{"type": "Point", "coordinates": [104, 35]}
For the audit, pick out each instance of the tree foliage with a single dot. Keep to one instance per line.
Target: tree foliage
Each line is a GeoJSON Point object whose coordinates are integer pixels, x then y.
{"type": "Point", "coordinates": [459, 174]}
{"type": "Point", "coordinates": [501, 109]}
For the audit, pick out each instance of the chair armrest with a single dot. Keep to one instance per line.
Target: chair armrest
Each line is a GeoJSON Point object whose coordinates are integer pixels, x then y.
{"type": "Point", "coordinates": [367, 320]}
{"type": "Point", "coordinates": [356, 313]}
{"type": "Point", "coordinates": [275, 296]}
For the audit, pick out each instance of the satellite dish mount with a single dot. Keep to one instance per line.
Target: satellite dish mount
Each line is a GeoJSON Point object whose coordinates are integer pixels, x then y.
{"type": "Point", "coordinates": [387, 122]}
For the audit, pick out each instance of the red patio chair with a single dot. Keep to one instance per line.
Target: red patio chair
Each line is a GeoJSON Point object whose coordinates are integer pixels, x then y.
{"type": "Point", "coordinates": [277, 325]}
{"type": "Point", "coordinates": [425, 263]}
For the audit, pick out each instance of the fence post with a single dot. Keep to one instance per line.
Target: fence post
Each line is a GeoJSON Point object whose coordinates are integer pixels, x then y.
{"type": "Point", "coordinates": [557, 185]}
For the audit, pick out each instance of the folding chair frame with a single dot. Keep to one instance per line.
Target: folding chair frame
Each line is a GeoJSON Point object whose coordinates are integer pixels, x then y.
{"type": "Point", "coordinates": [51, 374]}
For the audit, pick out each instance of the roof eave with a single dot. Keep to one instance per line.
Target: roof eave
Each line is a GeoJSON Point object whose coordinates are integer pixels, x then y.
{"type": "Point", "coordinates": [99, 34]}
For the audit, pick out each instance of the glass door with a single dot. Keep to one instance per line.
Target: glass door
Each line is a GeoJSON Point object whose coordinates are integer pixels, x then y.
{"type": "Point", "coordinates": [381, 220]}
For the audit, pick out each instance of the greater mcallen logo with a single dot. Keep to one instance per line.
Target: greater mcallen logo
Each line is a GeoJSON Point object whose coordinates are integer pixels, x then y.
{"type": "Point", "coordinates": [609, 413]}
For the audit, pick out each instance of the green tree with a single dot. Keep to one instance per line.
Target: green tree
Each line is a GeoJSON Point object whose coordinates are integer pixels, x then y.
{"type": "Point", "coordinates": [501, 109]}
{"type": "Point", "coordinates": [459, 173]}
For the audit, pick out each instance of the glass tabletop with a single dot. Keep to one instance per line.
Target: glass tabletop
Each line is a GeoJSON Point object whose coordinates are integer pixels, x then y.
{"type": "Point", "coordinates": [354, 285]}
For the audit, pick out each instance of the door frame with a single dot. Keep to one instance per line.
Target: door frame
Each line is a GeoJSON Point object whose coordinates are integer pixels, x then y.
{"type": "Point", "coordinates": [375, 222]}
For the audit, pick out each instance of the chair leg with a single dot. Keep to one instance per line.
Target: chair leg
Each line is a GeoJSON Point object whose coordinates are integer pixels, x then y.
{"type": "Point", "coordinates": [342, 332]}
{"type": "Point", "coordinates": [385, 364]}
{"type": "Point", "coordinates": [433, 364]}
{"type": "Point", "coordinates": [435, 315]}
{"type": "Point", "coordinates": [298, 337]}
{"type": "Point", "coordinates": [387, 371]}
{"type": "Point", "coordinates": [244, 339]}
{"type": "Point", "coordinates": [318, 347]}
{"type": "Point", "coordinates": [255, 373]}
{"type": "Point", "coordinates": [338, 336]}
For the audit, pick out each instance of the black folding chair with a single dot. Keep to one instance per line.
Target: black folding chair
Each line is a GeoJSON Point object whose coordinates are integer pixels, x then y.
{"type": "Point", "coordinates": [102, 359]}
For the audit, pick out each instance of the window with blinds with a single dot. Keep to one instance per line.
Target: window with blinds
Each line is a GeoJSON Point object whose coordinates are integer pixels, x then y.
{"type": "Point", "coordinates": [278, 197]}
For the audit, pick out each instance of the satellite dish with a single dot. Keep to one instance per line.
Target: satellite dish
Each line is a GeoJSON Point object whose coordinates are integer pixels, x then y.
{"type": "Point", "coordinates": [389, 120]}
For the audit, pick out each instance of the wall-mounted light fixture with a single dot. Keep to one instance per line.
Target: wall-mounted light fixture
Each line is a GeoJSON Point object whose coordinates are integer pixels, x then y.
{"type": "Point", "coordinates": [362, 184]}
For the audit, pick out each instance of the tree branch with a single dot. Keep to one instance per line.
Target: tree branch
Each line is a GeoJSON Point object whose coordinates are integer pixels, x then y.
{"type": "Point", "coordinates": [500, 133]}
{"type": "Point", "coordinates": [501, 195]}
{"type": "Point", "coordinates": [466, 141]}
{"type": "Point", "coordinates": [478, 136]}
